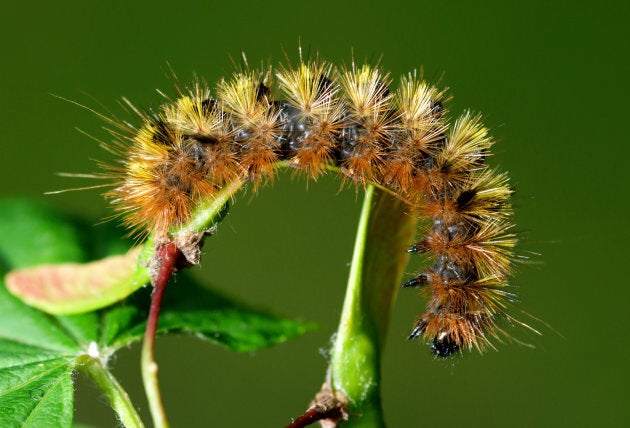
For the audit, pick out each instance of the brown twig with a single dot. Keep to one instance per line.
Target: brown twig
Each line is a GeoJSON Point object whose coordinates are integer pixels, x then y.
{"type": "Point", "coordinates": [329, 406]}
{"type": "Point", "coordinates": [316, 413]}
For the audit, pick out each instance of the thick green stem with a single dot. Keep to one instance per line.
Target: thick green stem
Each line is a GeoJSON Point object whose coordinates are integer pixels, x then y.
{"type": "Point", "coordinates": [117, 396]}
{"type": "Point", "coordinates": [211, 211]}
{"type": "Point", "coordinates": [380, 256]}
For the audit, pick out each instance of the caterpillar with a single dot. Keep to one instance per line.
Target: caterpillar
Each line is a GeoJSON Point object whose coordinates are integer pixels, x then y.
{"type": "Point", "coordinates": [349, 120]}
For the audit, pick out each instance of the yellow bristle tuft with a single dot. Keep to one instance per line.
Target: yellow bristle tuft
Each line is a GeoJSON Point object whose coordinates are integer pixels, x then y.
{"type": "Point", "coordinates": [485, 194]}
{"type": "Point", "coordinates": [244, 96]}
{"type": "Point", "coordinates": [492, 249]}
{"type": "Point", "coordinates": [196, 116]}
{"type": "Point", "coordinates": [419, 104]}
{"type": "Point", "coordinates": [465, 149]}
{"type": "Point", "coordinates": [366, 90]}
{"type": "Point", "coordinates": [256, 122]}
{"type": "Point", "coordinates": [369, 106]}
{"type": "Point", "coordinates": [308, 89]}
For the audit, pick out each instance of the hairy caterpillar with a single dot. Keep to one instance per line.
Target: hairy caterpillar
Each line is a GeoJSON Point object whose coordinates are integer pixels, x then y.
{"type": "Point", "coordinates": [346, 119]}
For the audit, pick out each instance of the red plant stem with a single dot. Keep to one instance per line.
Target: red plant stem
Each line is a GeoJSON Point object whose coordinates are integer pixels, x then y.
{"type": "Point", "coordinates": [314, 414]}
{"type": "Point", "coordinates": [168, 255]}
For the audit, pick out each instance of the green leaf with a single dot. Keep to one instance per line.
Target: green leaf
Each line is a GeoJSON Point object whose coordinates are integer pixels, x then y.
{"type": "Point", "coordinates": [72, 288]}
{"type": "Point", "coordinates": [29, 326]}
{"type": "Point", "coordinates": [36, 361]}
{"type": "Point", "coordinates": [190, 308]}
{"type": "Point", "coordinates": [35, 387]}
{"type": "Point", "coordinates": [33, 234]}
{"type": "Point", "coordinates": [84, 328]}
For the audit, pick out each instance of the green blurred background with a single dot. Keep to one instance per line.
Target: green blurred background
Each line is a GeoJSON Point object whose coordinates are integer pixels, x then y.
{"type": "Point", "coordinates": [551, 80]}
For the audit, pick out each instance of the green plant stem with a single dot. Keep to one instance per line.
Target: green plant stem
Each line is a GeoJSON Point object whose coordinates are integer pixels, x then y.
{"type": "Point", "coordinates": [117, 396]}
{"type": "Point", "coordinates": [211, 210]}
{"type": "Point", "coordinates": [380, 256]}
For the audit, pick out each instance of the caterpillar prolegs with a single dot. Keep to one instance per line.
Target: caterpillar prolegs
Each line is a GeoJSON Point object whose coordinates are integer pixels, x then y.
{"type": "Point", "coordinates": [345, 119]}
